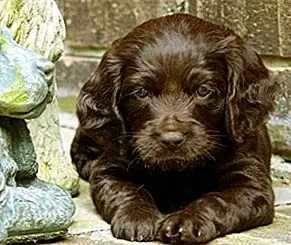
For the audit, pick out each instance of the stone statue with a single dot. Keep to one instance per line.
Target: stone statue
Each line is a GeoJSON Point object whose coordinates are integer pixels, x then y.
{"type": "Point", "coordinates": [39, 26]}
{"type": "Point", "coordinates": [30, 209]}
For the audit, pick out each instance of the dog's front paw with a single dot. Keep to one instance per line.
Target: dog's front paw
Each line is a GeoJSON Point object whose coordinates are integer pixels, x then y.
{"type": "Point", "coordinates": [185, 228]}
{"type": "Point", "coordinates": [135, 224]}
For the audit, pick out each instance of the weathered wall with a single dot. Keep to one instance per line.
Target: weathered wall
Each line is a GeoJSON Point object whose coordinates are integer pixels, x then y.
{"type": "Point", "coordinates": [93, 24]}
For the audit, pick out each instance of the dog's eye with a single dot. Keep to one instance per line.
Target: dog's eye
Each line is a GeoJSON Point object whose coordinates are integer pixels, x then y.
{"type": "Point", "coordinates": [204, 90]}
{"type": "Point", "coordinates": [142, 93]}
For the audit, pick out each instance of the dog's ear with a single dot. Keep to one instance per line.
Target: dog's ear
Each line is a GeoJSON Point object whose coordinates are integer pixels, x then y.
{"type": "Point", "coordinates": [251, 90]}
{"type": "Point", "coordinates": [96, 104]}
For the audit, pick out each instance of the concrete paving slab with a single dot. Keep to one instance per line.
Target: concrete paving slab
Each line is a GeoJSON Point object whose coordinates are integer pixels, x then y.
{"type": "Point", "coordinates": [282, 195]}
{"type": "Point", "coordinates": [86, 219]}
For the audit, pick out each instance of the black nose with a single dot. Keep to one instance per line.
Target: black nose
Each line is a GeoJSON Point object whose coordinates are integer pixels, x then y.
{"type": "Point", "coordinates": [172, 137]}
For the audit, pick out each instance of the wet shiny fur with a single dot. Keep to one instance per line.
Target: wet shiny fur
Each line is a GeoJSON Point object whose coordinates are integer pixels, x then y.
{"type": "Point", "coordinates": [172, 135]}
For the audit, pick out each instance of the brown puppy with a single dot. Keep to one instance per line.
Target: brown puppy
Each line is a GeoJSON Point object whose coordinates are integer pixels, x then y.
{"type": "Point", "coordinates": [172, 134]}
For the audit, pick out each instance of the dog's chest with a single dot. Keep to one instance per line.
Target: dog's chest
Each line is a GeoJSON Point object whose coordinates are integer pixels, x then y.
{"type": "Point", "coordinates": [173, 190]}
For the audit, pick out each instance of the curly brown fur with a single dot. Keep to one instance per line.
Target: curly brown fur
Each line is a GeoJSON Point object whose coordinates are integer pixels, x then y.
{"type": "Point", "coordinates": [172, 135]}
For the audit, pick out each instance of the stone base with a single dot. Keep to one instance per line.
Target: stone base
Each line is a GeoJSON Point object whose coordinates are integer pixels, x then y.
{"type": "Point", "coordinates": [35, 237]}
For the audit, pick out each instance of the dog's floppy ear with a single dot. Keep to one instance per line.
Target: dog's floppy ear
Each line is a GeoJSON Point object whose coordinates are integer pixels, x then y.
{"type": "Point", "coordinates": [251, 90]}
{"type": "Point", "coordinates": [96, 104]}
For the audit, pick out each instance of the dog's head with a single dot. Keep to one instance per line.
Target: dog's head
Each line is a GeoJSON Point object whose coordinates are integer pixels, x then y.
{"type": "Point", "coordinates": [177, 85]}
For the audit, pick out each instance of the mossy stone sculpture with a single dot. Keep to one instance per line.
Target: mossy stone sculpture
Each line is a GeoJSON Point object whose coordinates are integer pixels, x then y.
{"type": "Point", "coordinates": [30, 209]}
{"type": "Point", "coordinates": [38, 25]}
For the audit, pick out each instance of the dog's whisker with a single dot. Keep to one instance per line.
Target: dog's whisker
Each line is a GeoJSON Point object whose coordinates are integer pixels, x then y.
{"type": "Point", "coordinates": [209, 155]}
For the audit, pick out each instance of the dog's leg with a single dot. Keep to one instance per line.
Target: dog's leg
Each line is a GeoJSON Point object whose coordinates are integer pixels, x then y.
{"type": "Point", "coordinates": [244, 200]}
{"type": "Point", "coordinates": [128, 207]}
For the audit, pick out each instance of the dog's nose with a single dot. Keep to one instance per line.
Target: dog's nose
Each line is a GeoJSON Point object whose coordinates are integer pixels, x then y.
{"type": "Point", "coordinates": [172, 138]}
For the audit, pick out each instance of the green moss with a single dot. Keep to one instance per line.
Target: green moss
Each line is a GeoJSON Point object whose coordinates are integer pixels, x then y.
{"type": "Point", "coordinates": [16, 5]}
{"type": "Point", "coordinates": [17, 93]}
{"type": "Point", "coordinates": [67, 104]}
{"type": "Point", "coordinates": [3, 43]}
{"type": "Point", "coordinates": [12, 10]}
